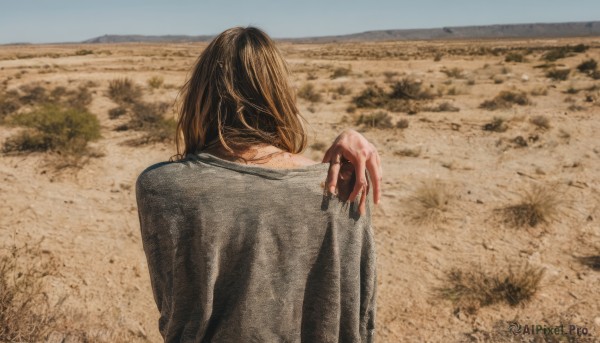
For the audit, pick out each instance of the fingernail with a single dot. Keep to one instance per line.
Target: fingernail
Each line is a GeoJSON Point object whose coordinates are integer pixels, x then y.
{"type": "Point", "coordinates": [332, 189]}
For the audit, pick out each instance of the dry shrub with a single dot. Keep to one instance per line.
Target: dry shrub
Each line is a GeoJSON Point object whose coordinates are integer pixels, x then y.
{"type": "Point", "coordinates": [455, 73]}
{"type": "Point", "coordinates": [117, 112]}
{"type": "Point", "coordinates": [9, 103]}
{"type": "Point", "coordinates": [587, 66]}
{"type": "Point", "coordinates": [371, 97]}
{"type": "Point", "coordinates": [52, 128]}
{"type": "Point", "coordinates": [563, 51]}
{"type": "Point", "coordinates": [496, 125]}
{"type": "Point", "coordinates": [124, 91]}
{"type": "Point", "coordinates": [408, 89]}
{"type": "Point", "coordinates": [591, 262]}
{"type": "Point", "coordinates": [506, 99]}
{"type": "Point", "coordinates": [515, 57]}
{"type": "Point", "coordinates": [343, 90]}
{"type": "Point", "coordinates": [408, 152]}
{"type": "Point", "coordinates": [149, 117]}
{"type": "Point", "coordinates": [379, 119]}
{"type": "Point", "coordinates": [558, 74]}
{"type": "Point", "coordinates": [155, 82]}
{"type": "Point", "coordinates": [33, 94]}
{"type": "Point", "coordinates": [402, 124]}
{"type": "Point", "coordinates": [429, 202]}
{"type": "Point", "coordinates": [442, 107]}
{"type": "Point", "coordinates": [538, 91]}
{"type": "Point", "coordinates": [473, 288]}
{"type": "Point", "coordinates": [540, 204]}
{"type": "Point", "coordinates": [25, 312]}
{"type": "Point", "coordinates": [83, 52]}
{"type": "Point", "coordinates": [308, 92]}
{"type": "Point", "coordinates": [340, 72]}
{"type": "Point", "coordinates": [541, 122]}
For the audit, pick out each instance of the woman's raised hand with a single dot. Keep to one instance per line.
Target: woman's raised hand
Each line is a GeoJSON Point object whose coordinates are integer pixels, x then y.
{"type": "Point", "coordinates": [354, 147]}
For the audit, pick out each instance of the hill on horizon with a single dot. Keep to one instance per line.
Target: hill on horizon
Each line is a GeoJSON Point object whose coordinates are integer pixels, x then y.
{"type": "Point", "coordinates": [534, 30]}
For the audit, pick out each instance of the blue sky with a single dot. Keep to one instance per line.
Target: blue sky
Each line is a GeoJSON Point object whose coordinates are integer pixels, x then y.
{"type": "Point", "coordinates": [42, 21]}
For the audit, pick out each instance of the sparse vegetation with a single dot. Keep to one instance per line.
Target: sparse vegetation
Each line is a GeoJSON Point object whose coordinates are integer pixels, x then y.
{"type": "Point", "coordinates": [455, 73]}
{"type": "Point", "coordinates": [308, 92]}
{"type": "Point", "coordinates": [403, 97]}
{"type": "Point", "coordinates": [506, 99]}
{"type": "Point", "coordinates": [471, 289]}
{"type": "Point", "coordinates": [25, 314]}
{"type": "Point", "coordinates": [116, 112]}
{"type": "Point", "coordinates": [558, 74]}
{"type": "Point", "coordinates": [402, 124]}
{"type": "Point", "coordinates": [540, 204]}
{"type": "Point", "coordinates": [371, 97]}
{"type": "Point", "coordinates": [83, 52]}
{"type": "Point", "coordinates": [149, 117]}
{"type": "Point", "coordinates": [515, 57]}
{"type": "Point", "coordinates": [496, 125]}
{"type": "Point", "coordinates": [541, 122]}
{"type": "Point", "coordinates": [343, 90]}
{"type": "Point", "coordinates": [52, 128]}
{"type": "Point", "coordinates": [379, 119]}
{"type": "Point", "coordinates": [429, 203]}
{"type": "Point", "coordinates": [587, 66]}
{"type": "Point", "coordinates": [592, 262]}
{"type": "Point", "coordinates": [124, 91]}
{"type": "Point", "coordinates": [408, 89]}
{"type": "Point", "coordinates": [563, 51]}
{"type": "Point", "coordinates": [155, 82]}
{"type": "Point", "coordinates": [340, 72]}
{"type": "Point", "coordinates": [442, 107]}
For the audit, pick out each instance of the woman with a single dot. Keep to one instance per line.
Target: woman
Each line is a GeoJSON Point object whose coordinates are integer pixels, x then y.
{"type": "Point", "coordinates": [242, 243]}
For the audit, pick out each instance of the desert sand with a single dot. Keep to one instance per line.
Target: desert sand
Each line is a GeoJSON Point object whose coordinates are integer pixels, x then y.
{"type": "Point", "coordinates": [88, 219]}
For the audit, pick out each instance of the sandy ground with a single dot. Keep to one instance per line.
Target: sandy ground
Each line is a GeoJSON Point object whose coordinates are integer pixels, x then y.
{"type": "Point", "coordinates": [88, 217]}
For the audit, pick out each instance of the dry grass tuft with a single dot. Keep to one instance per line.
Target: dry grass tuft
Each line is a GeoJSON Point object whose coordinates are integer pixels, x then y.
{"type": "Point", "coordinates": [442, 107]}
{"type": "Point", "coordinates": [496, 125]}
{"type": "Point", "coordinates": [124, 91]}
{"type": "Point", "coordinates": [429, 202]}
{"type": "Point", "coordinates": [540, 204]}
{"type": "Point", "coordinates": [340, 72]}
{"type": "Point", "coordinates": [455, 73]}
{"type": "Point", "coordinates": [558, 74]}
{"type": "Point", "coordinates": [149, 117]}
{"type": "Point", "coordinates": [506, 99]}
{"type": "Point", "coordinates": [155, 82]}
{"type": "Point", "coordinates": [409, 89]}
{"type": "Point", "coordinates": [308, 92]}
{"type": "Point", "coordinates": [474, 288]}
{"type": "Point", "coordinates": [379, 119]}
{"type": "Point", "coordinates": [587, 66]}
{"type": "Point", "coordinates": [541, 122]}
{"type": "Point", "coordinates": [25, 313]}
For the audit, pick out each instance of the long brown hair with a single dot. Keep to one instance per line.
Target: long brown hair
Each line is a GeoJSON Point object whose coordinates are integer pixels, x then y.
{"type": "Point", "coordinates": [239, 95]}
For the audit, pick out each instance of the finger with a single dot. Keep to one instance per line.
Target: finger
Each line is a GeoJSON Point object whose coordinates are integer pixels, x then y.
{"type": "Point", "coordinates": [375, 177]}
{"type": "Point", "coordinates": [334, 172]}
{"type": "Point", "coordinates": [361, 178]}
{"type": "Point", "coordinates": [362, 208]}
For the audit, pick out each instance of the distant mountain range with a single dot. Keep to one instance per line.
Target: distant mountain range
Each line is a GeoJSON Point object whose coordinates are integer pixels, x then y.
{"type": "Point", "coordinates": [538, 30]}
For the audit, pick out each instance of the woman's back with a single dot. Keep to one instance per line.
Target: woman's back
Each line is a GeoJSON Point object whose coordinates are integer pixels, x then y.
{"type": "Point", "coordinates": [242, 253]}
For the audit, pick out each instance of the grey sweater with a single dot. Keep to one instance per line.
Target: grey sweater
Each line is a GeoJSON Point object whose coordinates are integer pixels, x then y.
{"type": "Point", "coordinates": [241, 253]}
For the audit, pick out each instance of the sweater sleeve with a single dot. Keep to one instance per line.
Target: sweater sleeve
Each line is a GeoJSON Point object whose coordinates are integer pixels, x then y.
{"type": "Point", "coordinates": [368, 288]}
